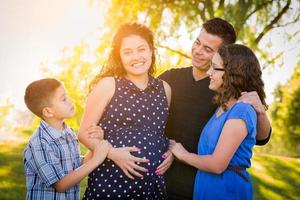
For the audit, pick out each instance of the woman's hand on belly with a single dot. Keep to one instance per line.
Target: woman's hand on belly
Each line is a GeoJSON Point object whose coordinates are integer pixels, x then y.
{"type": "Point", "coordinates": [127, 162]}
{"type": "Point", "coordinates": [166, 164]}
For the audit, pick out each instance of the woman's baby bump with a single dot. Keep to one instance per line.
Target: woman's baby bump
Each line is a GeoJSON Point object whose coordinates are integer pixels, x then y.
{"type": "Point", "coordinates": [152, 144]}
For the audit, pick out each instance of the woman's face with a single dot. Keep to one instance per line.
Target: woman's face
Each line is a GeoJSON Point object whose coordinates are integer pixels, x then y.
{"type": "Point", "coordinates": [216, 72]}
{"type": "Point", "coordinates": [136, 55]}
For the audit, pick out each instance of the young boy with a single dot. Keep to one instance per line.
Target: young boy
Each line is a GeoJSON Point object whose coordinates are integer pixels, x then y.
{"type": "Point", "coordinates": [52, 158]}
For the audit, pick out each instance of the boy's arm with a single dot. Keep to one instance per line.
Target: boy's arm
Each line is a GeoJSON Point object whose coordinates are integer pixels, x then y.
{"type": "Point", "coordinates": [87, 157]}
{"type": "Point", "coordinates": [78, 174]}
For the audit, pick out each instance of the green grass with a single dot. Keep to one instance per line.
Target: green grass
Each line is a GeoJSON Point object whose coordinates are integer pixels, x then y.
{"type": "Point", "coordinates": [273, 177]}
{"type": "Point", "coordinates": [12, 179]}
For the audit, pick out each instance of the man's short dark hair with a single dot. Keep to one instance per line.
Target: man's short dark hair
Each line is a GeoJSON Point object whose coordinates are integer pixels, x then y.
{"type": "Point", "coordinates": [222, 29]}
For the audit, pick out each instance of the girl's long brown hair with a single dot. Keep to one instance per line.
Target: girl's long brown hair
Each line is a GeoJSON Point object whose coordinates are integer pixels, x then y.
{"type": "Point", "coordinates": [242, 74]}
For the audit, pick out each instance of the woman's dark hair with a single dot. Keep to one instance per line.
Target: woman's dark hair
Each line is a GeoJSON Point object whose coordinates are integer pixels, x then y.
{"type": "Point", "coordinates": [242, 74]}
{"type": "Point", "coordinates": [114, 66]}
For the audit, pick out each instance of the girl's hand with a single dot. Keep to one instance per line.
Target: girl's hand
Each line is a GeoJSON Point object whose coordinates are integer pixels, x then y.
{"type": "Point", "coordinates": [179, 151]}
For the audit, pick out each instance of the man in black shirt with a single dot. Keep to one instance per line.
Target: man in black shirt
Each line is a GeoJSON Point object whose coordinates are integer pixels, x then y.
{"type": "Point", "coordinates": [192, 106]}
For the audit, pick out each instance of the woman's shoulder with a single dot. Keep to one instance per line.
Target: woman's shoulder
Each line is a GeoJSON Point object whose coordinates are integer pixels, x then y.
{"type": "Point", "coordinates": [108, 81]}
{"type": "Point", "coordinates": [106, 84]}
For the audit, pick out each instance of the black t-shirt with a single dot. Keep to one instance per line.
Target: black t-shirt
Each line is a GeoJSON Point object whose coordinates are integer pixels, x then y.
{"type": "Point", "coordinates": [191, 107]}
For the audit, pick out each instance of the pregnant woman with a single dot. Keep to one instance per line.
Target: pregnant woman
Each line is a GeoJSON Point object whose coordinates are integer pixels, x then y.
{"type": "Point", "coordinates": [132, 108]}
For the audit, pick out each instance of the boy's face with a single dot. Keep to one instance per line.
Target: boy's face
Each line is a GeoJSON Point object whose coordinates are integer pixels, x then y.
{"type": "Point", "coordinates": [61, 105]}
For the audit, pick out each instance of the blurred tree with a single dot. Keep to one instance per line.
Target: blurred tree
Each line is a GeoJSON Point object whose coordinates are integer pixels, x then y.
{"type": "Point", "coordinates": [174, 23]}
{"type": "Point", "coordinates": [285, 114]}
{"type": "Point", "coordinates": [5, 110]}
{"type": "Point", "coordinates": [170, 19]}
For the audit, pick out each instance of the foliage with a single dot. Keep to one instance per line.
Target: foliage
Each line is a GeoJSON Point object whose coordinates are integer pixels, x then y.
{"type": "Point", "coordinates": [285, 114]}
{"type": "Point", "coordinates": [174, 23]}
{"type": "Point", "coordinates": [76, 73]}
{"type": "Point", "coordinates": [252, 19]}
{"type": "Point", "coordinates": [5, 110]}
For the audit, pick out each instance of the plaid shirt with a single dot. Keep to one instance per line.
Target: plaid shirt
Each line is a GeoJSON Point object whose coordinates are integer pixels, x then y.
{"type": "Point", "coordinates": [48, 157]}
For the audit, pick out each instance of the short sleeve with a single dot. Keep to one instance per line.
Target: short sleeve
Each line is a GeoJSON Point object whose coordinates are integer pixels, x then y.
{"type": "Point", "coordinates": [246, 113]}
{"type": "Point", "coordinates": [166, 76]}
{"type": "Point", "coordinates": [265, 141]}
{"type": "Point", "coordinates": [47, 163]}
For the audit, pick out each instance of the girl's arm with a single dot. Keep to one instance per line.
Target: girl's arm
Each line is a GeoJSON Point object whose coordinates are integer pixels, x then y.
{"type": "Point", "coordinates": [233, 133]}
{"type": "Point", "coordinates": [96, 102]}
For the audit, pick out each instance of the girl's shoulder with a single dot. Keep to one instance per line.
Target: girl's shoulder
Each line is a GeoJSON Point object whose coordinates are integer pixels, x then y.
{"type": "Point", "coordinates": [243, 111]}
{"type": "Point", "coordinates": [242, 107]}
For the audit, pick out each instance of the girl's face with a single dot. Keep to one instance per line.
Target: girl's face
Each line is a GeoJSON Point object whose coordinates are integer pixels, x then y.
{"type": "Point", "coordinates": [136, 55]}
{"type": "Point", "coordinates": [216, 72]}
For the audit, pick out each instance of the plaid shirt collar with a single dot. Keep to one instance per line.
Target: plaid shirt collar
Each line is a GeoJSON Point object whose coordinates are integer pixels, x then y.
{"type": "Point", "coordinates": [54, 133]}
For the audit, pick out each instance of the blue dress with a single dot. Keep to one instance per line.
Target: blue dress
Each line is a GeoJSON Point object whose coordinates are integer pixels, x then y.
{"type": "Point", "coordinates": [134, 117]}
{"type": "Point", "coordinates": [228, 185]}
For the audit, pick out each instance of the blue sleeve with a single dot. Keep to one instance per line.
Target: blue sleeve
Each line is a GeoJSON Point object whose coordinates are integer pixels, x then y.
{"type": "Point", "coordinates": [47, 163]}
{"type": "Point", "coordinates": [246, 113]}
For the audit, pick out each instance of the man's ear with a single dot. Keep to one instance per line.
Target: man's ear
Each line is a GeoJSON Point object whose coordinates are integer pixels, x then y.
{"type": "Point", "coordinates": [47, 112]}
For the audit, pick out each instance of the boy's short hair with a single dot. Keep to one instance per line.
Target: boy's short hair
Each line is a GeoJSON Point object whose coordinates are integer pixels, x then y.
{"type": "Point", "coordinates": [221, 28]}
{"type": "Point", "coordinates": [38, 94]}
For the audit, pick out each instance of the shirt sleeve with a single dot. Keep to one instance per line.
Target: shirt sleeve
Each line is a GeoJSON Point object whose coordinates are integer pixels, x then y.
{"type": "Point", "coordinates": [47, 163]}
{"type": "Point", "coordinates": [265, 141]}
{"type": "Point", "coordinates": [246, 113]}
{"type": "Point", "coordinates": [166, 76]}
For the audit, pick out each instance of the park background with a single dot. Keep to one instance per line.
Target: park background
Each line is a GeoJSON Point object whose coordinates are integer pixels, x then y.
{"type": "Point", "coordinates": [70, 40]}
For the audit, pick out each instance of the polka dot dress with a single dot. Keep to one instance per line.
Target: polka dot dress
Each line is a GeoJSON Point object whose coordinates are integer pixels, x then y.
{"type": "Point", "coordinates": [134, 117]}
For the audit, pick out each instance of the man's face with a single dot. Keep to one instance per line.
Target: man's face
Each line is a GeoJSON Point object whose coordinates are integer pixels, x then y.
{"type": "Point", "coordinates": [203, 49]}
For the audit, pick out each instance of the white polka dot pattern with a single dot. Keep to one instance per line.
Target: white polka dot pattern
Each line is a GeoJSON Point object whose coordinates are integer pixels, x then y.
{"type": "Point", "coordinates": [134, 117]}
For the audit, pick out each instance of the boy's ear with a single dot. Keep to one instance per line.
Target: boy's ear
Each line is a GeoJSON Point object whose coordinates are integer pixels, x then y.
{"type": "Point", "coordinates": [47, 112]}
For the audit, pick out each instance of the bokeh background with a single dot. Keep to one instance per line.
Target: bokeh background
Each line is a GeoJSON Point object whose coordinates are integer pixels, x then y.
{"type": "Point", "coordinates": [70, 40]}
